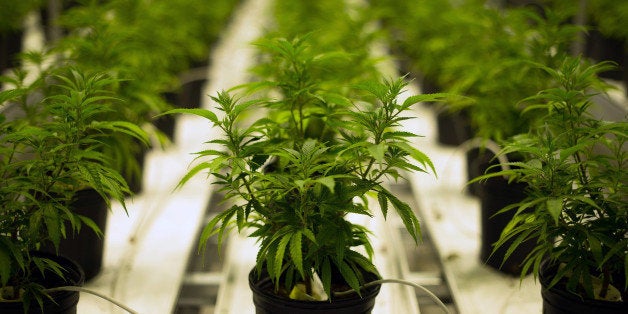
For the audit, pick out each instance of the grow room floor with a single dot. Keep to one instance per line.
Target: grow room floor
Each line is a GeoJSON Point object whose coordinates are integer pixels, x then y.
{"type": "Point", "coordinates": [151, 264]}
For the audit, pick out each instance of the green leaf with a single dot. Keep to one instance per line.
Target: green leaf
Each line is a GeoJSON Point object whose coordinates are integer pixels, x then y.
{"type": "Point", "coordinates": [554, 207]}
{"type": "Point", "coordinates": [296, 252]}
{"type": "Point", "coordinates": [280, 254]}
{"type": "Point", "coordinates": [417, 155]}
{"type": "Point", "coordinates": [424, 98]}
{"type": "Point", "coordinates": [5, 265]}
{"type": "Point", "coordinates": [383, 203]}
{"type": "Point", "coordinates": [198, 168]}
{"type": "Point", "coordinates": [91, 224]}
{"type": "Point", "coordinates": [53, 224]}
{"type": "Point", "coordinates": [349, 276]}
{"type": "Point", "coordinates": [596, 247]}
{"type": "Point", "coordinates": [204, 113]}
{"type": "Point", "coordinates": [309, 234]}
{"type": "Point", "coordinates": [328, 182]}
{"type": "Point", "coordinates": [326, 275]}
{"type": "Point", "coordinates": [377, 151]}
{"type": "Point", "coordinates": [410, 221]}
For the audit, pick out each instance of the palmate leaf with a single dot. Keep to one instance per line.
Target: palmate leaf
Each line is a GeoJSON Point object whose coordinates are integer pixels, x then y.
{"type": "Point", "coordinates": [554, 207]}
{"type": "Point", "coordinates": [417, 155]}
{"type": "Point", "coordinates": [204, 113]}
{"type": "Point", "coordinates": [192, 172]}
{"type": "Point", "coordinates": [279, 254]}
{"type": "Point", "coordinates": [296, 251]}
{"type": "Point", "coordinates": [362, 261]}
{"type": "Point", "coordinates": [377, 151]}
{"type": "Point", "coordinates": [326, 275]}
{"type": "Point", "coordinates": [125, 127]}
{"type": "Point", "coordinates": [383, 203]}
{"type": "Point", "coordinates": [91, 224]}
{"type": "Point", "coordinates": [425, 98]}
{"type": "Point", "coordinates": [216, 225]}
{"type": "Point", "coordinates": [398, 135]}
{"type": "Point", "coordinates": [349, 275]}
{"type": "Point", "coordinates": [52, 221]}
{"type": "Point", "coordinates": [409, 219]}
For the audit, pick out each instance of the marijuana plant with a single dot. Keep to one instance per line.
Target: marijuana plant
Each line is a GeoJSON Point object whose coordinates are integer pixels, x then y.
{"type": "Point", "coordinates": [44, 161]}
{"type": "Point", "coordinates": [575, 168]}
{"type": "Point", "coordinates": [295, 174]}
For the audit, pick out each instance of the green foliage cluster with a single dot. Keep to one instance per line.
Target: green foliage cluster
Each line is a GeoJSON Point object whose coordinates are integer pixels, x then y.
{"type": "Point", "coordinates": [50, 149]}
{"type": "Point", "coordinates": [610, 16]}
{"type": "Point", "coordinates": [294, 175]}
{"type": "Point", "coordinates": [124, 39]}
{"type": "Point", "coordinates": [12, 13]}
{"type": "Point", "coordinates": [481, 51]}
{"type": "Point", "coordinates": [575, 168]}
{"type": "Point", "coordinates": [342, 26]}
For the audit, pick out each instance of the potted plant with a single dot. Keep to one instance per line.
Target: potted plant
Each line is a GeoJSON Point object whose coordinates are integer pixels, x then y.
{"type": "Point", "coordinates": [48, 155]}
{"type": "Point", "coordinates": [575, 205]}
{"type": "Point", "coordinates": [294, 174]}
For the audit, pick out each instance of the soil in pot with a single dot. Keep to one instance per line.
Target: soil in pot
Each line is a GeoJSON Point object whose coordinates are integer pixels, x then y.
{"type": "Point", "coordinates": [267, 302]}
{"type": "Point", "coordinates": [556, 300]}
{"type": "Point", "coordinates": [63, 302]}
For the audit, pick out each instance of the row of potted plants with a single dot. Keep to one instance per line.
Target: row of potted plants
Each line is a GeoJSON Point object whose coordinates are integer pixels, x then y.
{"type": "Point", "coordinates": [325, 146]}
{"type": "Point", "coordinates": [73, 117]}
{"type": "Point", "coordinates": [328, 140]}
{"type": "Point", "coordinates": [508, 56]}
{"type": "Point", "coordinates": [50, 154]}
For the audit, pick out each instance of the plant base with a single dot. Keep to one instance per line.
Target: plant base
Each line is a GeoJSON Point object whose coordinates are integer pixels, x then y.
{"type": "Point", "coordinates": [63, 302]}
{"type": "Point", "coordinates": [267, 302]}
{"type": "Point", "coordinates": [558, 301]}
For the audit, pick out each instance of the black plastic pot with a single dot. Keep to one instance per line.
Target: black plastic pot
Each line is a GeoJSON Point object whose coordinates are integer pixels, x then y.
{"type": "Point", "coordinates": [63, 302]}
{"type": "Point", "coordinates": [474, 158]}
{"type": "Point", "coordinates": [600, 48]}
{"type": "Point", "coordinates": [266, 302]}
{"type": "Point", "coordinates": [454, 128]}
{"type": "Point", "coordinates": [10, 47]}
{"type": "Point", "coordinates": [188, 95]}
{"type": "Point", "coordinates": [560, 301]}
{"type": "Point", "coordinates": [86, 247]}
{"type": "Point", "coordinates": [495, 194]}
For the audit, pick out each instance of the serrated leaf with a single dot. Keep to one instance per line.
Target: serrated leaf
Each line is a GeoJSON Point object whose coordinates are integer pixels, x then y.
{"type": "Point", "coordinates": [204, 113]}
{"type": "Point", "coordinates": [349, 276]}
{"type": "Point", "coordinates": [377, 151]}
{"type": "Point", "coordinates": [417, 155]}
{"type": "Point", "coordinates": [424, 98]}
{"type": "Point", "coordinates": [328, 182]}
{"type": "Point", "coordinates": [280, 254]}
{"type": "Point", "coordinates": [296, 252]}
{"type": "Point", "coordinates": [383, 203]}
{"type": "Point", "coordinates": [554, 207]}
{"type": "Point", "coordinates": [91, 224]}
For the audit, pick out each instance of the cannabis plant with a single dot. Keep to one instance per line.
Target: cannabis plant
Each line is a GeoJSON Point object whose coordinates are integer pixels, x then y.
{"type": "Point", "coordinates": [575, 169]}
{"type": "Point", "coordinates": [297, 157]}
{"type": "Point", "coordinates": [44, 161]}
